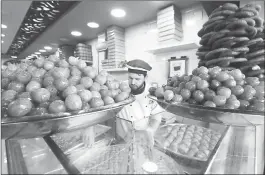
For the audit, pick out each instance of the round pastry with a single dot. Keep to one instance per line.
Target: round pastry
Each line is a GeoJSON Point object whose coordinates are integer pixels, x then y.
{"type": "Point", "coordinates": [211, 147]}
{"type": "Point", "coordinates": [175, 130]}
{"type": "Point", "coordinates": [258, 20]}
{"type": "Point", "coordinates": [197, 136]}
{"type": "Point", "coordinates": [256, 6]}
{"type": "Point", "coordinates": [201, 155]}
{"type": "Point", "coordinates": [250, 9]}
{"type": "Point", "coordinates": [217, 18]}
{"type": "Point", "coordinates": [192, 152]}
{"type": "Point", "coordinates": [183, 148]}
{"type": "Point", "coordinates": [252, 31]}
{"type": "Point", "coordinates": [220, 26]}
{"type": "Point", "coordinates": [230, 6]}
{"type": "Point", "coordinates": [195, 143]}
{"type": "Point", "coordinates": [217, 43]}
{"type": "Point", "coordinates": [171, 138]}
{"type": "Point", "coordinates": [237, 24]}
{"type": "Point", "coordinates": [244, 14]}
{"type": "Point", "coordinates": [215, 53]}
{"type": "Point", "coordinates": [250, 21]}
{"type": "Point", "coordinates": [226, 44]}
{"type": "Point", "coordinates": [206, 152]}
{"type": "Point", "coordinates": [255, 54]}
{"type": "Point", "coordinates": [255, 41]}
{"type": "Point", "coordinates": [203, 147]}
{"type": "Point", "coordinates": [215, 37]}
{"type": "Point", "coordinates": [210, 27]}
{"type": "Point", "coordinates": [201, 32]}
{"type": "Point", "coordinates": [241, 49]}
{"type": "Point", "coordinates": [175, 134]}
{"type": "Point", "coordinates": [223, 63]}
{"type": "Point", "coordinates": [204, 48]}
{"type": "Point", "coordinates": [215, 61]}
{"type": "Point", "coordinates": [201, 53]}
{"type": "Point", "coordinates": [238, 60]}
{"type": "Point", "coordinates": [238, 32]}
{"type": "Point", "coordinates": [177, 140]}
{"type": "Point", "coordinates": [174, 147]}
{"type": "Point", "coordinates": [222, 13]}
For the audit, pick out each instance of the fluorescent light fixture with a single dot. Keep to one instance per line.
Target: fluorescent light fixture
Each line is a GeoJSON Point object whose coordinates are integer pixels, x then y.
{"type": "Point", "coordinates": [76, 33]}
{"type": "Point", "coordinates": [3, 35]}
{"type": "Point", "coordinates": [92, 25]}
{"type": "Point", "coordinates": [37, 53]}
{"type": "Point", "coordinates": [118, 13]}
{"type": "Point", "coordinates": [48, 48]}
{"type": "Point", "coordinates": [13, 56]}
{"type": "Point", "coordinates": [153, 31]}
{"type": "Point", "coordinates": [2, 41]}
{"type": "Point", "coordinates": [42, 50]}
{"type": "Point", "coordinates": [4, 26]}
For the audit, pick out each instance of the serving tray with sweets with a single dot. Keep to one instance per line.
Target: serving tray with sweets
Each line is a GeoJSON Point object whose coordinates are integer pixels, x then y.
{"type": "Point", "coordinates": [188, 141]}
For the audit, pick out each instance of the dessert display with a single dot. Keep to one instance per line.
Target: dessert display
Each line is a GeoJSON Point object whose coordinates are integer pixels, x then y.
{"type": "Point", "coordinates": [232, 38]}
{"type": "Point", "coordinates": [214, 88]}
{"type": "Point", "coordinates": [68, 140]}
{"type": "Point", "coordinates": [188, 140]}
{"type": "Point", "coordinates": [54, 86]}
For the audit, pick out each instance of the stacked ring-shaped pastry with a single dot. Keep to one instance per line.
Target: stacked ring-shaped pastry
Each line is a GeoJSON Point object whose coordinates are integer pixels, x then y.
{"type": "Point", "coordinates": [233, 38]}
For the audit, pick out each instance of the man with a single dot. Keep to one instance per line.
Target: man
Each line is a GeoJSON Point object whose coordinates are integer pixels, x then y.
{"type": "Point", "coordinates": [143, 114]}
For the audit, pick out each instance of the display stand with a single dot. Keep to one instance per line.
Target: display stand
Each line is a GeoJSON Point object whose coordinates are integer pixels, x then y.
{"type": "Point", "coordinates": [242, 148]}
{"type": "Point", "coordinates": [20, 133]}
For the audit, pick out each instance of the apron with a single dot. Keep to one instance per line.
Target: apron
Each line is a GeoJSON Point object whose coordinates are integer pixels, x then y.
{"type": "Point", "coordinates": [136, 115]}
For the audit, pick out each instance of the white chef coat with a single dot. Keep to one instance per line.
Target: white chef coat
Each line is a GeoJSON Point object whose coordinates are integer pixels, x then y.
{"type": "Point", "coordinates": [137, 114]}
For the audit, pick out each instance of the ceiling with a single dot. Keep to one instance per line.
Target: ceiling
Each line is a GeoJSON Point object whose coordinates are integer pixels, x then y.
{"type": "Point", "coordinates": [12, 13]}
{"type": "Point", "coordinates": [77, 18]}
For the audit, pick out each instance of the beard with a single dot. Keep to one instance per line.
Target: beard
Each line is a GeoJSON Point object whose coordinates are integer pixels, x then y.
{"type": "Point", "coordinates": [137, 89]}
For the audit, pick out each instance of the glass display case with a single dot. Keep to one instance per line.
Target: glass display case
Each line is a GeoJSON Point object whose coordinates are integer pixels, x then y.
{"type": "Point", "coordinates": [179, 148]}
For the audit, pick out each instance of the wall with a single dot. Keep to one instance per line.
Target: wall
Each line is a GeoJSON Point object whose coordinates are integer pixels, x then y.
{"type": "Point", "coordinates": [139, 38]}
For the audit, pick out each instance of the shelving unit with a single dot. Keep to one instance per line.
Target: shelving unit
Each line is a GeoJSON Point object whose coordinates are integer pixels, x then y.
{"type": "Point", "coordinates": [173, 48]}
{"type": "Point", "coordinates": [117, 70]}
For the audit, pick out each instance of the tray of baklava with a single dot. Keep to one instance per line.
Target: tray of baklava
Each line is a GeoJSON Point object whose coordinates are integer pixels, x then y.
{"type": "Point", "coordinates": [188, 141]}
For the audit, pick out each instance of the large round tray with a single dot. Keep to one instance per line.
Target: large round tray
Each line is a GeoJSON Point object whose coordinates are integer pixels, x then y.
{"type": "Point", "coordinates": [38, 126]}
{"type": "Point", "coordinates": [213, 115]}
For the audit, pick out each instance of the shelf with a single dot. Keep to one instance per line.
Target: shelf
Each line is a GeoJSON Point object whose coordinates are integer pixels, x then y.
{"type": "Point", "coordinates": [173, 48]}
{"type": "Point", "coordinates": [116, 70]}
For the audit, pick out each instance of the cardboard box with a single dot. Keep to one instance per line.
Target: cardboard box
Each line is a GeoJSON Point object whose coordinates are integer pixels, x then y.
{"type": "Point", "coordinates": [169, 9]}
{"type": "Point", "coordinates": [168, 18]}
{"type": "Point", "coordinates": [170, 27]}
{"type": "Point", "coordinates": [168, 37]}
{"type": "Point", "coordinates": [170, 14]}
{"type": "Point", "coordinates": [168, 23]}
{"type": "Point", "coordinates": [169, 32]}
{"type": "Point", "coordinates": [115, 28]}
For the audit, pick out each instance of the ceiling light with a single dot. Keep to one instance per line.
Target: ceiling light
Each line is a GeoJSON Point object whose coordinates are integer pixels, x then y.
{"type": "Point", "coordinates": [13, 56]}
{"type": "Point", "coordinates": [92, 25]}
{"type": "Point", "coordinates": [76, 33]}
{"type": "Point", "coordinates": [36, 53]}
{"type": "Point", "coordinates": [3, 26]}
{"type": "Point", "coordinates": [41, 50]}
{"type": "Point", "coordinates": [48, 48]}
{"type": "Point", "coordinates": [118, 13]}
{"type": "Point", "coordinates": [3, 35]}
{"type": "Point", "coordinates": [2, 41]}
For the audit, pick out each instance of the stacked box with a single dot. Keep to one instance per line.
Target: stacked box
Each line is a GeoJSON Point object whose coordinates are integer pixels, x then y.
{"type": "Point", "coordinates": [102, 37]}
{"type": "Point", "coordinates": [116, 45]}
{"type": "Point", "coordinates": [169, 24]}
{"type": "Point", "coordinates": [84, 52]}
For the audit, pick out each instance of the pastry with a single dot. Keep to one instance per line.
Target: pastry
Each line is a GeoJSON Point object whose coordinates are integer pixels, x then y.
{"type": "Point", "coordinates": [222, 13]}
{"type": "Point", "coordinates": [255, 54]}
{"type": "Point", "coordinates": [250, 21]}
{"type": "Point", "coordinates": [217, 18]}
{"type": "Point", "coordinates": [215, 53]}
{"type": "Point", "coordinates": [183, 148]}
{"type": "Point", "coordinates": [250, 9]}
{"type": "Point", "coordinates": [230, 6]}
{"type": "Point", "coordinates": [258, 20]}
{"type": "Point", "coordinates": [244, 14]}
{"type": "Point", "coordinates": [237, 24]}
{"type": "Point", "coordinates": [216, 44]}
{"type": "Point", "coordinates": [215, 61]}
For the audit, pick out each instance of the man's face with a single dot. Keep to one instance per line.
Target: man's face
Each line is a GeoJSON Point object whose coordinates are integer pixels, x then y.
{"type": "Point", "coordinates": [136, 80]}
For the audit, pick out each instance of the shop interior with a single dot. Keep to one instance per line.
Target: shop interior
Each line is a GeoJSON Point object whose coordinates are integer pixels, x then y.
{"type": "Point", "coordinates": [106, 35]}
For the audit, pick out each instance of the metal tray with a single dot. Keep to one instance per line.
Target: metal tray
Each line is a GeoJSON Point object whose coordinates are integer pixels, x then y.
{"type": "Point", "coordinates": [189, 157]}
{"type": "Point", "coordinates": [213, 115]}
{"type": "Point", "coordinates": [34, 126]}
